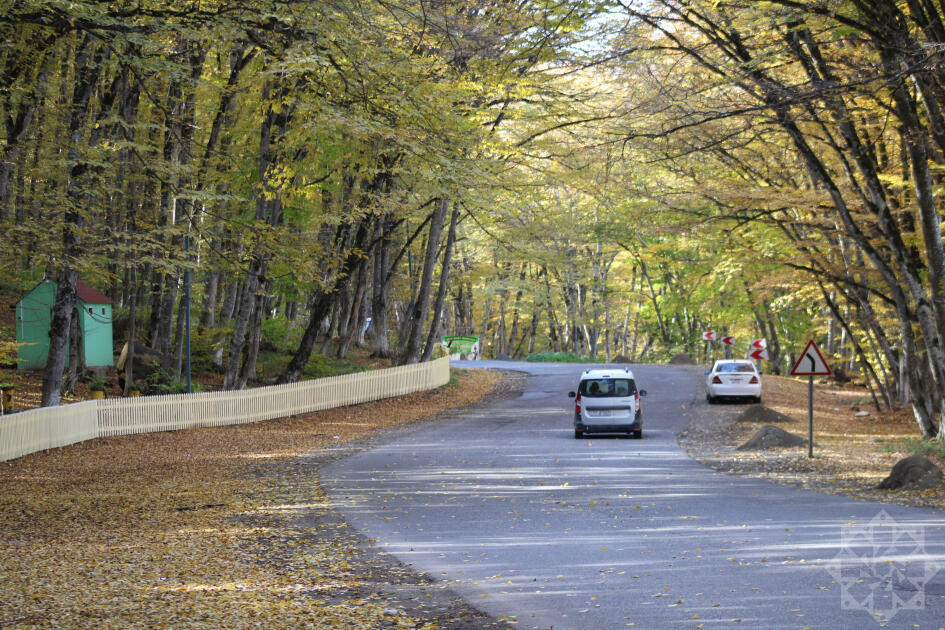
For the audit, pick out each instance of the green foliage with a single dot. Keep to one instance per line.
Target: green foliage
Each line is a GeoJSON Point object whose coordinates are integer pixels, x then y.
{"type": "Point", "coordinates": [162, 382]}
{"type": "Point", "coordinates": [18, 284]}
{"type": "Point", "coordinates": [138, 386]}
{"type": "Point", "coordinates": [281, 335]}
{"type": "Point", "coordinates": [8, 349]}
{"type": "Point", "coordinates": [97, 384]}
{"type": "Point", "coordinates": [933, 447]}
{"type": "Point", "coordinates": [204, 345]}
{"type": "Point", "coordinates": [584, 213]}
{"type": "Point", "coordinates": [320, 366]}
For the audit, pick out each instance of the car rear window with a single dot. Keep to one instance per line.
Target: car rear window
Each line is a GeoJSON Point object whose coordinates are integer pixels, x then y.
{"type": "Point", "coordinates": [735, 367]}
{"type": "Point", "coordinates": [608, 387]}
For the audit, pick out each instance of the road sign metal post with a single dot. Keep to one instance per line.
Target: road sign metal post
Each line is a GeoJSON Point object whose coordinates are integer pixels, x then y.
{"type": "Point", "coordinates": [810, 417]}
{"type": "Point", "coordinates": [811, 363]}
{"type": "Point", "coordinates": [708, 337]}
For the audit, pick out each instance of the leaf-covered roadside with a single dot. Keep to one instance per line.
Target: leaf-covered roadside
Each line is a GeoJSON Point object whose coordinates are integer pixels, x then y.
{"type": "Point", "coordinates": [193, 529]}
{"type": "Point", "coordinates": [852, 453]}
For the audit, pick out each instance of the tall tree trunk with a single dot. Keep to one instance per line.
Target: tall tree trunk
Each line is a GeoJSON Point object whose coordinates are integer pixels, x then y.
{"type": "Point", "coordinates": [75, 355]}
{"type": "Point", "coordinates": [241, 324]}
{"type": "Point", "coordinates": [533, 330]}
{"type": "Point", "coordinates": [444, 282]}
{"type": "Point", "coordinates": [211, 285]}
{"type": "Point", "coordinates": [516, 310]}
{"type": "Point", "coordinates": [17, 123]}
{"type": "Point", "coordinates": [59, 328]}
{"type": "Point", "coordinates": [418, 314]}
{"type": "Point", "coordinates": [129, 374]}
{"type": "Point", "coordinates": [248, 371]}
{"type": "Point", "coordinates": [319, 307]}
{"type": "Point", "coordinates": [230, 300]}
{"type": "Point", "coordinates": [268, 211]}
{"type": "Point", "coordinates": [380, 300]}
{"type": "Point", "coordinates": [354, 313]}
{"type": "Point", "coordinates": [88, 68]}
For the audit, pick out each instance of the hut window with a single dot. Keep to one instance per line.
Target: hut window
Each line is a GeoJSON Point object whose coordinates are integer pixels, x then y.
{"type": "Point", "coordinates": [90, 311]}
{"type": "Point", "coordinates": [103, 310]}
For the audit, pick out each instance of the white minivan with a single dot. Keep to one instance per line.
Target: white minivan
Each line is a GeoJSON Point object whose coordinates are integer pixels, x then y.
{"type": "Point", "coordinates": [608, 401]}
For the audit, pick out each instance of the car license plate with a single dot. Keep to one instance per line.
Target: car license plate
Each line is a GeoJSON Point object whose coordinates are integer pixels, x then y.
{"type": "Point", "coordinates": [601, 413]}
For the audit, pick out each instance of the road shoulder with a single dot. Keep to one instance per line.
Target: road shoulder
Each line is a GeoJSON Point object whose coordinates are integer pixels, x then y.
{"type": "Point", "coordinates": [714, 433]}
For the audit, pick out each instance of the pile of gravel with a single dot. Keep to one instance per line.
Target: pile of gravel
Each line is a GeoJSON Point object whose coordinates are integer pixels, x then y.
{"type": "Point", "coordinates": [760, 413]}
{"type": "Point", "coordinates": [915, 472]}
{"type": "Point", "coordinates": [770, 436]}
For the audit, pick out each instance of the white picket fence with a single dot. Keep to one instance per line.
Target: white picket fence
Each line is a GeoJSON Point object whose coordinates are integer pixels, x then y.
{"type": "Point", "coordinates": [49, 427]}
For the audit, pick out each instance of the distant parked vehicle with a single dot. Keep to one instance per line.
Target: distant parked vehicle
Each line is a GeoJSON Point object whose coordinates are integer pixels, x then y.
{"type": "Point", "coordinates": [733, 378]}
{"type": "Point", "coordinates": [608, 401]}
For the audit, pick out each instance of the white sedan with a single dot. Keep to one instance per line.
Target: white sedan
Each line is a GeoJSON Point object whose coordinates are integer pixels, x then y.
{"type": "Point", "coordinates": [733, 378]}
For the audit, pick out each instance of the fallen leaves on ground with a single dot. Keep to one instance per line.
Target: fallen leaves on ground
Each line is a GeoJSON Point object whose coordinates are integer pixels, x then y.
{"type": "Point", "coordinates": [206, 528]}
{"type": "Point", "coordinates": [851, 454]}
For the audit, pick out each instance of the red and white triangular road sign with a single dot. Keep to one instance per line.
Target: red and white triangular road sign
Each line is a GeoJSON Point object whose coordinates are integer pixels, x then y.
{"type": "Point", "coordinates": [811, 362]}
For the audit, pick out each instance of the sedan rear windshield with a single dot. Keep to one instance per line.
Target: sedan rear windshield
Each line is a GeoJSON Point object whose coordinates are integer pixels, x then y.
{"type": "Point", "coordinates": [735, 367]}
{"type": "Point", "coordinates": [608, 387]}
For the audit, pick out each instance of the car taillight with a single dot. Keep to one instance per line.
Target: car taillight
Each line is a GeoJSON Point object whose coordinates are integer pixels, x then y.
{"type": "Point", "coordinates": [754, 380]}
{"type": "Point", "coordinates": [577, 404]}
{"type": "Point", "coordinates": [636, 397]}
{"type": "Point", "coordinates": [716, 380]}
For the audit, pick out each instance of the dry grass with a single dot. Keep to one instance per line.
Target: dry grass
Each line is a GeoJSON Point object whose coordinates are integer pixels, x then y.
{"type": "Point", "coordinates": [851, 454]}
{"type": "Point", "coordinates": [168, 529]}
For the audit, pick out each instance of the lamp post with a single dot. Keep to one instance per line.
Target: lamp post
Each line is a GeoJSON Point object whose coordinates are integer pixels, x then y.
{"type": "Point", "coordinates": [187, 309]}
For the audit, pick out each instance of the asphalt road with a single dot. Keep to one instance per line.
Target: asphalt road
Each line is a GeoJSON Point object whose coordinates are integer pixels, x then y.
{"type": "Point", "coordinates": [525, 522]}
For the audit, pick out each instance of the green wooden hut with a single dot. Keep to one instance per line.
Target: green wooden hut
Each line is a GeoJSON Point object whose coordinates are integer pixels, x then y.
{"type": "Point", "coordinates": [34, 315]}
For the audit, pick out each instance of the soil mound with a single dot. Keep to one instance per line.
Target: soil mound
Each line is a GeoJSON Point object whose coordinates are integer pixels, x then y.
{"type": "Point", "coordinates": [770, 436]}
{"type": "Point", "coordinates": [915, 472]}
{"type": "Point", "coordinates": [760, 413]}
{"type": "Point", "coordinates": [621, 359]}
{"type": "Point", "coordinates": [682, 359]}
